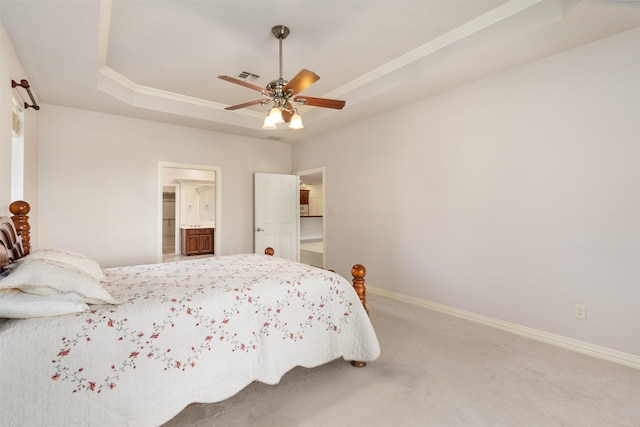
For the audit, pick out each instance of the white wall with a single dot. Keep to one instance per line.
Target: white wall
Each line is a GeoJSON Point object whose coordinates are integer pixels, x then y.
{"type": "Point", "coordinates": [98, 181]}
{"type": "Point", "coordinates": [11, 69]}
{"type": "Point", "coordinates": [515, 197]}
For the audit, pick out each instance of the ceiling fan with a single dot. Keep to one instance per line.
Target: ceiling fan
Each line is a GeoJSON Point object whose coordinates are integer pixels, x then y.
{"type": "Point", "coordinates": [283, 94]}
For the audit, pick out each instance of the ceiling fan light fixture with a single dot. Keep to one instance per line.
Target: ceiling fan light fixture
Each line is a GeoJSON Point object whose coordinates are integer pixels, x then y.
{"type": "Point", "coordinates": [268, 124]}
{"type": "Point", "coordinates": [282, 93]}
{"type": "Point", "coordinates": [275, 115]}
{"type": "Point", "coordinates": [296, 121]}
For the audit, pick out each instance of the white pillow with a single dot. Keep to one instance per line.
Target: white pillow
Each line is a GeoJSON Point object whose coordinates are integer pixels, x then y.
{"type": "Point", "coordinates": [48, 277]}
{"type": "Point", "coordinates": [75, 259]}
{"type": "Point", "coordinates": [16, 304]}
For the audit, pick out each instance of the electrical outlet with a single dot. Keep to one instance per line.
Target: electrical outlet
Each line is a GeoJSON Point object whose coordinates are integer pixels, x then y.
{"type": "Point", "coordinates": [580, 311]}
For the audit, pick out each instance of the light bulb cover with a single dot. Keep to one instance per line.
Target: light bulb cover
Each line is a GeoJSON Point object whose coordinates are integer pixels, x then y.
{"type": "Point", "coordinates": [275, 115]}
{"type": "Point", "coordinates": [296, 121]}
{"type": "Point", "coordinates": [268, 124]}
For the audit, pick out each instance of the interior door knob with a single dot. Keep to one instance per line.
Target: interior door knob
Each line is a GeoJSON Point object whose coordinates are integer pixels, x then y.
{"type": "Point", "coordinates": [259, 229]}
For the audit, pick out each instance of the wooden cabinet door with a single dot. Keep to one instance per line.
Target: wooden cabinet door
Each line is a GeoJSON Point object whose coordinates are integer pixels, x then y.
{"type": "Point", "coordinates": [206, 244]}
{"type": "Point", "coordinates": [193, 244]}
{"type": "Point", "coordinates": [304, 197]}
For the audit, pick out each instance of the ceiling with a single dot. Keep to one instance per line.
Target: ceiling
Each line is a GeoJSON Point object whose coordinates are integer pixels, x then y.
{"type": "Point", "coordinates": [158, 60]}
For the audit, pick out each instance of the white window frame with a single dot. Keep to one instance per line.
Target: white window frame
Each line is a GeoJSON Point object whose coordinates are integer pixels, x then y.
{"type": "Point", "coordinates": [17, 147]}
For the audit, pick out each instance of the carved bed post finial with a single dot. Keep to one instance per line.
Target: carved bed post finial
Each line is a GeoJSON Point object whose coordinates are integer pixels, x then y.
{"type": "Point", "coordinates": [269, 251]}
{"type": "Point", "coordinates": [358, 272]}
{"type": "Point", "coordinates": [20, 209]}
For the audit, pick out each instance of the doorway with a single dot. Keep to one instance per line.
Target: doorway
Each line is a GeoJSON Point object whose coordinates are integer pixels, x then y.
{"type": "Point", "coordinates": [312, 217]}
{"type": "Point", "coordinates": [197, 195]}
{"type": "Point", "coordinates": [170, 243]}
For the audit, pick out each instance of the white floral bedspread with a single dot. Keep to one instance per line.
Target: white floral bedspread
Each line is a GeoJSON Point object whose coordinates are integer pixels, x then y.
{"type": "Point", "coordinates": [190, 331]}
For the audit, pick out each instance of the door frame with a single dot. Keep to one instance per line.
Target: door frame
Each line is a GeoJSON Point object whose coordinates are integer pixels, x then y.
{"type": "Point", "coordinates": [323, 171]}
{"type": "Point", "coordinates": [217, 238]}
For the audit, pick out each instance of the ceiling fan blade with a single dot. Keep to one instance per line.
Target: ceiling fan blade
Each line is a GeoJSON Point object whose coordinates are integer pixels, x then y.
{"type": "Point", "coordinates": [320, 102]}
{"type": "Point", "coordinates": [287, 113]}
{"type": "Point", "coordinates": [301, 81]}
{"type": "Point", "coordinates": [246, 104]}
{"type": "Point", "coordinates": [245, 84]}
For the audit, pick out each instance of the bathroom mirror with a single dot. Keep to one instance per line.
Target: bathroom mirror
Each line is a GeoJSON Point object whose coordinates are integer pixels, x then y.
{"type": "Point", "coordinates": [206, 203]}
{"type": "Point", "coordinates": [198, 203]}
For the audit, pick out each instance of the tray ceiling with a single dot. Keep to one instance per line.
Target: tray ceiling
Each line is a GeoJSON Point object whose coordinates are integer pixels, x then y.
{"type": "Point", "coordinates": [158, 60]}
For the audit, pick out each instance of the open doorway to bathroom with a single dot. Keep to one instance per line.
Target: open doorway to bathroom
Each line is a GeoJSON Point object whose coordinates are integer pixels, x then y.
{"type": "Point", "coordinates": [169, 230]}
{"type": "Point", "coordinates": [312, 217]}
{"type": "Point", "coordinates": [189, 211]}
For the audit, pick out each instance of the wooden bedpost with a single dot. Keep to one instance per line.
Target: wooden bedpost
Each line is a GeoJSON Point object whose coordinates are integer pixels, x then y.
{"type": "Point", "coordinates": [20, 209]}
{"type": "Point", "coordinates": [358, 272]}
{"type": "Point", "coordinates": [269, 251]}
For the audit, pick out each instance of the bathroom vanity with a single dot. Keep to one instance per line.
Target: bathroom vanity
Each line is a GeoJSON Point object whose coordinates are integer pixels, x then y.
{"type": "Point", "coordinates": [197, 241]}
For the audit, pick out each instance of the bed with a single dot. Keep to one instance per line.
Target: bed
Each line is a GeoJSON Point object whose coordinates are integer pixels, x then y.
{"type": "Point", "coordinates": [162, 336]}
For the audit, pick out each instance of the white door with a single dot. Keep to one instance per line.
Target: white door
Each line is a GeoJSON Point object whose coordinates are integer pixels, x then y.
{"type": "Point", "coordinates": [277, 214]}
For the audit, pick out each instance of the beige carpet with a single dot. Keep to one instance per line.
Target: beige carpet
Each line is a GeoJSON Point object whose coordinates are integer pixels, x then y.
{"type": "Point", "coordinates": [438, 370]}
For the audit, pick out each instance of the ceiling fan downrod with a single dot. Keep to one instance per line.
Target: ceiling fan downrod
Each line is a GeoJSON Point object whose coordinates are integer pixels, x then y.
{"type": "Point", "coordinates": [280, 32]}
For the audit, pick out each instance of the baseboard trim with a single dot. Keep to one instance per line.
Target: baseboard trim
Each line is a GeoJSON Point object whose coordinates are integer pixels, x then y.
{"type": "Point", "coordinates": [593, 350]}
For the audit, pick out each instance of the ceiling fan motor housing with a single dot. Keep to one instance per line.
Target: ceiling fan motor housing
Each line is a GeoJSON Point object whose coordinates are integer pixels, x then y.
{"type": "Point", "coordinates": [280, 31]}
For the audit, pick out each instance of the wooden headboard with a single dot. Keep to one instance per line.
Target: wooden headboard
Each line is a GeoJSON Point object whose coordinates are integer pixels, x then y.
{"type": "Point", "coordinates": [15, 234]}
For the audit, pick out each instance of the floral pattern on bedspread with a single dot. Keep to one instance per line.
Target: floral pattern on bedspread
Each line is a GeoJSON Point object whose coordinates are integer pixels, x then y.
{"type": "Point", "coordinates": [191, 331]}
{"type": "Point", "coordinates": [183, 306]}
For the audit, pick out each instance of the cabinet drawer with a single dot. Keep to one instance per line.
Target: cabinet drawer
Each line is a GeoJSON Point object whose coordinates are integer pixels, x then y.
{"type": "Point", "coordinates": [196, 231]}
